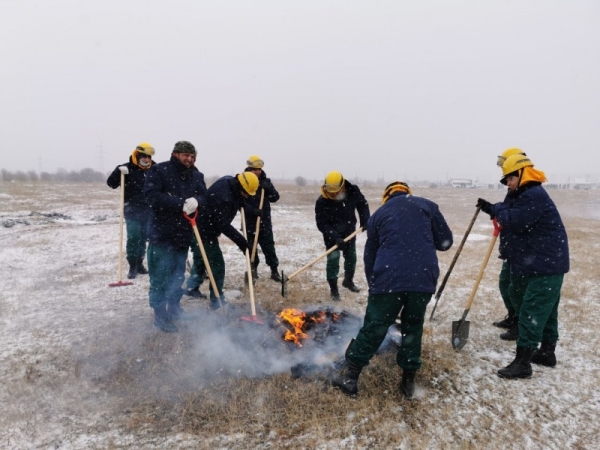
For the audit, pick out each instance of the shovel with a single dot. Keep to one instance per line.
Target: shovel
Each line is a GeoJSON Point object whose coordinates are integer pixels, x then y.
{"type": "Point", "coordinates": [285, 279]}
{"type": "Point", "coordinates": [192, 220]}
{"type": "Point", "coordinates": [438, 294]}
{"type": "Point", "coordinates": [120, 275]}
{"type": "Point", "coordinates": [253, 318]}
{"type": "Point", "coordinates": [460, 328]}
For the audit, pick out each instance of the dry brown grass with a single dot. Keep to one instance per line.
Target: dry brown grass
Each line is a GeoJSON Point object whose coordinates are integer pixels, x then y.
{"type": "Point", "coordinates": [153, 385]}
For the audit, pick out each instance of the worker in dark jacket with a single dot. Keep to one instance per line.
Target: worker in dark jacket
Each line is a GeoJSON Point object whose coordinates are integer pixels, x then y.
{"type": "Point", "coordinates": [172, 188]}
{"type": "Point", "coordinates": [225, 197]}
{"type": "Point", "coordinates": [537, 249]}
{"type": "Point", "coordinates": [137, 211]}
{"type": "Point", "coordinates": [402, 270]}
{"type": "Point", "coordinates": [254, 211]}
{"type": "Point", "coordinates": [335, 213]}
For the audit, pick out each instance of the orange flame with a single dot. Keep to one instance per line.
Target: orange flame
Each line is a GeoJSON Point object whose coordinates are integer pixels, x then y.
{"type": "Point", "coordinates": [297, 319]}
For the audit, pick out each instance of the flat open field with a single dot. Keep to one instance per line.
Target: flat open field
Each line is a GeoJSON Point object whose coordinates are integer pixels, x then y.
{"type": "Point", "coordinates": [81, 365]}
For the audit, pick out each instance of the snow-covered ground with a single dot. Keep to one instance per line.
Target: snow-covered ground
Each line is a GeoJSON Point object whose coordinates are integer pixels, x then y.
{"type": "Point", "coordinates": [69, 342]}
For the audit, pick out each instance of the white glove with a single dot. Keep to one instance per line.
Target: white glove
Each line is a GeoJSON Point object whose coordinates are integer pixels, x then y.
{"type": "Point", "coordinates": [124, 170]}
{"type": "Point", "coordinates": [190, 205]}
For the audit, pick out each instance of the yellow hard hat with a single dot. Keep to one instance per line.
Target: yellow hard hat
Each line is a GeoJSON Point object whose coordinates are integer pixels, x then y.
{"type": "Point", "coordinates": [249, 182]}
{"type": "Point", "coordinates": [396, 186]}
{"type": "Point", "coordinates": [255, 162]}
{"type": "Point", "coordinates": [145, 148]}
{"type": "Point", "coordinates": [509, 152]}
{"type": "Point", "coordinates": [514, 163]}
{"type": "Point", "coordinates": [333, 182]}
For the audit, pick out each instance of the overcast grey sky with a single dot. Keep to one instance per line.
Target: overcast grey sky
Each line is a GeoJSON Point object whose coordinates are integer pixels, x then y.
{"type": "Point", "coordinates": [393, 89]}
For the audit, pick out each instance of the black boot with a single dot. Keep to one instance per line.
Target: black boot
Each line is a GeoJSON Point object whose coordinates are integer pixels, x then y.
{"type": "Point", "coordinates": [513, 332]}
{"type": "Point", "coordinates": [407, 385]}
{"type": "Point", "coordinates": [140, 267]}
{"type": "Point", "coordinates": [520, 367]}
{"type": "Point", "coordinates": [333, 287]}
{"type": "Point", "coordinates": [195, 293]}
{"type": "Point", "coordinates": [162, 321]}
{"type": "Point", "coordinates": [133, 269]}
{"type": "Point", "coordinates": [275, 275]}
{"type": "Point", "coordinates": [346, 379]}
{"type": "Point", "coordinates": [507, 322]}
{"type": "Point", "coordinates": [348, 282]}
{"type": "Point", "coordinates": [545, 355]}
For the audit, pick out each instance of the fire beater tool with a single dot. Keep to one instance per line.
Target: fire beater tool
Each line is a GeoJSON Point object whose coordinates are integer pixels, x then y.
{"type": "Point", "coordinates": [253, 318]}
{"type": "Point", "coordinates": [460, 328]}
{"type": "Point", "coordinates": [192, 220]}
{"type": "Point", "coordinates": [120, 274]}
{"type": "Point", "coordinates": [260, 206]}
{"type": "Point", "coordinates": [438, 294]}
{"type": "Point", "coordinates": [285, 279]}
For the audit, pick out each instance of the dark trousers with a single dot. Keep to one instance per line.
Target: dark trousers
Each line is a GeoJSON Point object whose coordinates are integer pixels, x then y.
{"type": "Point", "coordinates": [137, 235]}
{"type": "Point", "coordinates": [333, 261]}
{"type": "Point", "coordinates": [504, 286]}
{"type": "Point", "coordinates": [536, 300]}
{"type": "Point", "coordinates": [382, 311]}
{"type": "Point", "coordinates": [167, 272]}
{"type": "Point", "coordinates": [267, 245]}
{"type": "Point", "coordinates": [217, 266]}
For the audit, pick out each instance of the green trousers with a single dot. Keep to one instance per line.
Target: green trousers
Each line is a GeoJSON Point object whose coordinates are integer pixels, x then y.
{"type": "Point", "coordinates": [137, 236]}
{"type": "Point", "coordinates": [167, 272]}
{"type": "Point", "coordinates": [504, 286]}
{"type": "Point", "coordinates": [267, 245]}
{"type": "Point", "coordinates": [536, 300]}
{"type": "Point", "coordinates": [382, 311]}
{"type": "Point", "coordinates": [217, 266]}
{"type": "Point", "coordinates": [333, 262]}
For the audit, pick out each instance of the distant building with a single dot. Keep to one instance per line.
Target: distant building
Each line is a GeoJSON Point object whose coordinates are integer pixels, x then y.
{"type": "Point", "coordinates": [463, 183]}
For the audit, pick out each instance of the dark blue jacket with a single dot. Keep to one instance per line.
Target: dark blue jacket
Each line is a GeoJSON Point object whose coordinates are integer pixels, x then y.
{"type": "Point", "coordinates": [534, 237]}
{"type": "Point", "coordinates": [337, 218]}
{"type": "Point", "coordinates": [224, 200]}
{"type": "Point", "coordinates": [252, 203]}
{"type": "Point", "coordinates": [136, 207]}
{"type": "Point", "coordinates": [167, 186]}
{"type": "Point", "coordinates": [402, 238]}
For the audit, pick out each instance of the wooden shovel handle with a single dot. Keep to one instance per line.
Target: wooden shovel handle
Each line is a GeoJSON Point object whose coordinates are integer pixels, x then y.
{"type": "Point", "coordinates": [303, 268]}
{"type": "Point", "coordinates": [260, 206]}
{"type": "Point", "coordinates": [248, 266]}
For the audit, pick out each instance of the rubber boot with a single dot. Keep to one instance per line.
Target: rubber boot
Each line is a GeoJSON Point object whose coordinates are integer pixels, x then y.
{"type": "Point", "coordinates": [346, 379]}
{"type": "Point", "coordinates": [520, 367]}
{"type": "Point", "coordinates": [333, 287]}
{"type": "Point", "coordinates": [348, 282]}
{"type": "Point", "coordinates": [195, 292]}
{"type": "Point", "coordinates": [140, 267]}
{"type": "Point", "coordinates": [513, 332]}
{"type": "Point", "coordinates": [507, 322]}
{"type": "Point", "coordinates": [133, 269]}
{"type": "Point", "coordinates": [407, 385]}
{"type": "Point", "coordinates": [162, 321]}
{"type": "Point", "coordinates": [275, 275]}
{"type": "Point", "coordinates": [545, 355]}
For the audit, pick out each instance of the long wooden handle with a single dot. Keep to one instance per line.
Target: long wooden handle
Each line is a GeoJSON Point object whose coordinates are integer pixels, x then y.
{"type": "Point", "coordinates": [260, 206]}
{"type": "Point", "coordinates": [480, 276]}
{"type": "Point", "coordinates": [206, 264]}
{"type": "Point", "coordinates": [120, 276]}
{"type": "Point", "coordinates": [248, 267]}
{"type": "Point", "coordinates": [303, 268]}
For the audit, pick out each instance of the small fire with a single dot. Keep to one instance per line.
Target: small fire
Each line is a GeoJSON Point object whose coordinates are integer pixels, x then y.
{"type": "Point", "coordinates": [300, 322]}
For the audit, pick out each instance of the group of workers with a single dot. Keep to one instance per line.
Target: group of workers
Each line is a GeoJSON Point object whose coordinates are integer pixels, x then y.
{"type": "Point", "coordinates": [400, 258]}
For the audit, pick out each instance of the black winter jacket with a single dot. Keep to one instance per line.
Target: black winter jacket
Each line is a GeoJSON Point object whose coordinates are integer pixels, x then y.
{"type": "Point", "coordinates": [253, 203]}
{"type": "Point", "coordinates": [337, 218]}
{"type": "Point", "coordinates": [224, 200]}
{"type": "Point", "coordinates": [167, 186]}
{"type": "Point", "coordinates": [136, 207]}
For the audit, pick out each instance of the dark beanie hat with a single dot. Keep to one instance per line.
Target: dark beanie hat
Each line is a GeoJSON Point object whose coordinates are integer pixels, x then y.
{"type": "Point", "coordinates": [184, 147]}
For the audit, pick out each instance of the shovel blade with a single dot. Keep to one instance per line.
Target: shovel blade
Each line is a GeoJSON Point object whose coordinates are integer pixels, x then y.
{"type": "Point", "coordinates": [460, 333]}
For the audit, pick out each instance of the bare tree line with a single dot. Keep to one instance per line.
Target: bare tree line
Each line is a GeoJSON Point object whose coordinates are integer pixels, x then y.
{"type": "Point", "coordinates": [82, 176]}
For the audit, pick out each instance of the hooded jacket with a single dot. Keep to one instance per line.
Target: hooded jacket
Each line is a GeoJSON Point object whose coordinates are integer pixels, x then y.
{"type": "Point", "coordinates": [136, 207]}
{"type": "Point", "coordinates": [168, 185]}
{"type": "Point", "coordinates": [253, 203]}
{"type": "Point", "coordinates": [402, 238]}
{"type": "Point", "coordinates": [337, 218]}
{"type": "Point", "coordinates": [534, 236]}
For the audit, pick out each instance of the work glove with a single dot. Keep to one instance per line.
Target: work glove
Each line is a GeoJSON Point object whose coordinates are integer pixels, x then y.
{"type": "Point", "coordinates": [257, 212]}
{"type": "Point", "coordinates": [190, 205]}
{"type": "Point", "coordinates": [486, 207]}
{"type": "Point", "coordinates": [340, 243]}
{"type": "Point", "coordinates": [124, 170]}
